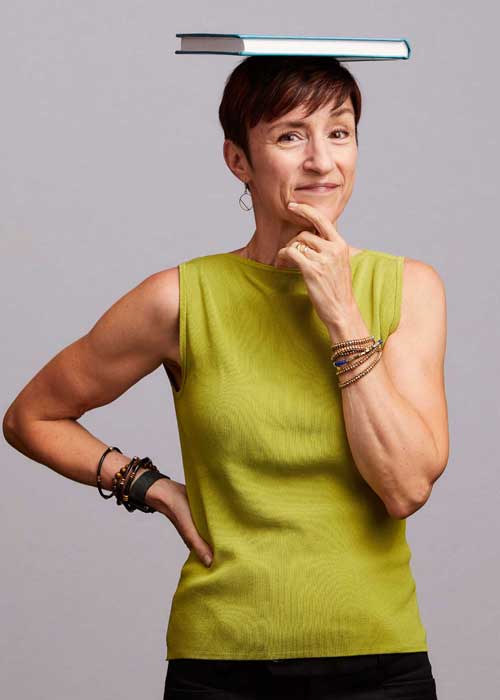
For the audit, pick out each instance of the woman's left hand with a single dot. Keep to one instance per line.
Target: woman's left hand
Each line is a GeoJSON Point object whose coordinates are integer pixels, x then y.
{"type": "Point", "coordinates": [326, 268]}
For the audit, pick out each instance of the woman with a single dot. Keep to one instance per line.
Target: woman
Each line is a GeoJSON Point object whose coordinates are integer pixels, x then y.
{"type": "Point", "coordinates": [307, 377]}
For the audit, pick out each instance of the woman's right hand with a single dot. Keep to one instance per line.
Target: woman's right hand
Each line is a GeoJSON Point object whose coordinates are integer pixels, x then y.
{"type": "Point", "coordinates": [170, 498]}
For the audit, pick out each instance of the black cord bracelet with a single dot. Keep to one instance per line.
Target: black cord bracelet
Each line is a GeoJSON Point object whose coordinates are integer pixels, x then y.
{"type": "Point", "coordinates": [99, 466]}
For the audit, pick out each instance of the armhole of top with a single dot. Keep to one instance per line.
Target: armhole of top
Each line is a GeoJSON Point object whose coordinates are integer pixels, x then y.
{"type": "Point", "coordinates": [398, 294]}
{"type": "Point", "coordinates": [182, 330]}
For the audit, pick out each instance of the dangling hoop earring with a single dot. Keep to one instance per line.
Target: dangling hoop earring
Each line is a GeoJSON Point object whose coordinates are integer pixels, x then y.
{"type": "Point", "coordinates": [243, 204]}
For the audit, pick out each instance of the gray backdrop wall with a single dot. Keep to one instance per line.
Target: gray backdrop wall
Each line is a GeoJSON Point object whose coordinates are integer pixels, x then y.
{"type": "Point", "coordinates": [111, 168]}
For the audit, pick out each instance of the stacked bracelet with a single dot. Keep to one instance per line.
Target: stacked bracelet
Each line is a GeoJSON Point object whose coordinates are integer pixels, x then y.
{"type": "Point", "coordinates": [361, 349]}
{"type": "Point", "coordinates": [128, 491]}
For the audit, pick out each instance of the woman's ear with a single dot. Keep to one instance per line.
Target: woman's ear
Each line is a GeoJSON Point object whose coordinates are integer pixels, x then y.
{"type": "Point", "coordinates": [236, 160]}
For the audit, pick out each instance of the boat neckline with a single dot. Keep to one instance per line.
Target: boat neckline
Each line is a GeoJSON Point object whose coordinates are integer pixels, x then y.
{"type": "Point", "coordinates": [266, 266]}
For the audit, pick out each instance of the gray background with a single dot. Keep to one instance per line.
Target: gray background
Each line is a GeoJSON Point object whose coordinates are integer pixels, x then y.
{"type": "Point", "coordinates": [112, 169]}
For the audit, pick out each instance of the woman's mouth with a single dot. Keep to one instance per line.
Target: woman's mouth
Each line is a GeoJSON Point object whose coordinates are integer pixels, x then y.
{"type": "Point", "coordinates": [318, 189]}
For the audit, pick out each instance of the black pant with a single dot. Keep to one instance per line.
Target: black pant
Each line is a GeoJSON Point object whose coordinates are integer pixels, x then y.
{"type": "Point", "coordinates": [397, 676]}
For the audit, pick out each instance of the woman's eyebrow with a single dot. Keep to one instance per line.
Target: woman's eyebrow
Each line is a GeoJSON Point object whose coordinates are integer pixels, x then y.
{"type": "Point", "coordinates": [299, 122]}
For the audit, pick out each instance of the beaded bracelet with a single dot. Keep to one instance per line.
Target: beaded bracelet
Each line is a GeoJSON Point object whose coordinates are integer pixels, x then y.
{"type": "Point", "coordinates": [124, 485]}
{"type": "Point", "coordinates": [361, 374]}
{"type": "Point", "coordinates": [119, 479]}
{"type": "Point", "coordinates": [129, 478]}
{"type": "Point", "coordinates": [360, 350]}
{"type": "Point", "coordinates": [359, 358]}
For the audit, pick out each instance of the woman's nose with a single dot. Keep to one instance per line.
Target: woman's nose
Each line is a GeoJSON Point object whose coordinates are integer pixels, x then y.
{"type": "Point", "coordinates": [319, 155]}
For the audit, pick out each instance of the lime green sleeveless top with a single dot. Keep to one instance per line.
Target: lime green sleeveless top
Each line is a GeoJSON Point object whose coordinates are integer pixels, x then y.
{"type": "Point", "coordinates": [307, 561]}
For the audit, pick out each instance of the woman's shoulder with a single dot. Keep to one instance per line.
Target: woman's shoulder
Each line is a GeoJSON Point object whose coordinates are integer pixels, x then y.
{"type": "Point", "coordinates": [161, 289]}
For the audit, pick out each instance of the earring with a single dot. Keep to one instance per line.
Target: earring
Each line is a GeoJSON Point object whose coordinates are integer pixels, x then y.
{"type": "Point", "coordinates": [243, 205]}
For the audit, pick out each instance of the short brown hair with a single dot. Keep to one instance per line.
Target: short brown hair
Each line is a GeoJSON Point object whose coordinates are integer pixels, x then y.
{"type": "Point", "coordinates": [267, 87]}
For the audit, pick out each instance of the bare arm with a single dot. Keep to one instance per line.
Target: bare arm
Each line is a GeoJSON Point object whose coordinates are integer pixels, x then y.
{"type": "Point", "coordinates": [128, 342]}
{"type": "Point", "coordinates": [396, 415]}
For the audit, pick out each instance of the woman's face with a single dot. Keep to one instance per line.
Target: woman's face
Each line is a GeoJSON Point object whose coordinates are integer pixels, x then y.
{"type": "Point", "coordinates": [288, 155]}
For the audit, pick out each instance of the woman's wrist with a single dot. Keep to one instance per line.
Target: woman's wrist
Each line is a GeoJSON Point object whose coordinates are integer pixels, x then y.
{"type": "Point", "coordinates": [155, 495]}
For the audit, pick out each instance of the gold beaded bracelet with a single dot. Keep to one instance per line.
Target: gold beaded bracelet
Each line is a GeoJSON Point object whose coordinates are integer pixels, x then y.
{"type": "Point", "coordinates": [360, 350]}
{"type": "Point", "coordinates": [360, 357]}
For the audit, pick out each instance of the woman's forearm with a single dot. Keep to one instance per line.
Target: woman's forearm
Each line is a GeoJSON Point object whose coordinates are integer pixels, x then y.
{"type": "Point", "coordinates": [390, 443]}
{"type": "Point", "coordinates": [66, 447]}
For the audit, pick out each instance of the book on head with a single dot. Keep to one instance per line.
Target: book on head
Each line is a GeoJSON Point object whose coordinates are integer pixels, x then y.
{"type": "Point", "coordinates": [343, 48]}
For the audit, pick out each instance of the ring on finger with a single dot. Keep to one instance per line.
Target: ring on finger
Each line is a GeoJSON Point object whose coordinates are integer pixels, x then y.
{"type": "Point", "coordinates": [300, 245]}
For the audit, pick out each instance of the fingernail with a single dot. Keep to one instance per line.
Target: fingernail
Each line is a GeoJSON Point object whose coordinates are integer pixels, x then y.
{"type": "Point", "coordinates": [207, 559]}
{"type": "Point", "coordinates": [292, 204]}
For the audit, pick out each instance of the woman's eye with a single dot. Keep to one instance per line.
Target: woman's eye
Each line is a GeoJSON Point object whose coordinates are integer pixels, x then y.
{"type": "Point", "coordinates": [342, 131]}
{"type": "Point", "coordinates": [291, 133]}
{"type": "Point", "coordinates": [284, 135]}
